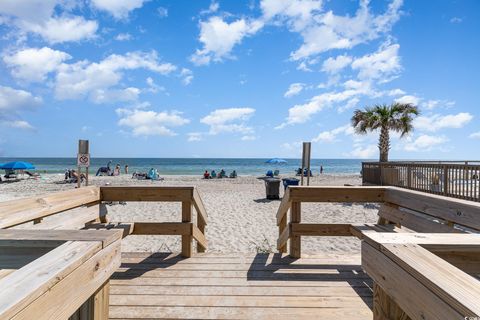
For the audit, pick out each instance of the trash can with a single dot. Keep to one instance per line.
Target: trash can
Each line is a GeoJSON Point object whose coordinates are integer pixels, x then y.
{"type": "Point", "coordinates": [272, 188]}
{"type": "Point", "coordinates": [290, 182]}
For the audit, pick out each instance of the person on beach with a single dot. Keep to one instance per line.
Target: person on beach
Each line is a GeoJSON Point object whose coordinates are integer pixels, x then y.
{"type": "Point", "coordinates": [222, 174]}
{"type": "Point", "coordinates": [206, 175]}
{"type": "Point", "coordinates": [213, 174]}
{"type": "Point", "coordinates": [321, 169]}
{"type": "Point", "coordinates": [126, 169]}
{"type": "Point", "coordinates": [116, 171]}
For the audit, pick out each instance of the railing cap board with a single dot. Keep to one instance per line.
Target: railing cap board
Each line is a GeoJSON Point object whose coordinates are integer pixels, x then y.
{"type": "Point", "coordinates": [146, 193]}
{"type": "Point", "coordinates": [336, 194]}
{"type": "Point", "coordinates": [18, 211]}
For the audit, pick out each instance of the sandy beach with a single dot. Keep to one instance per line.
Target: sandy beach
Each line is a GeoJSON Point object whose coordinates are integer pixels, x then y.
{"type": "Point", "coordinates": [240, 218]}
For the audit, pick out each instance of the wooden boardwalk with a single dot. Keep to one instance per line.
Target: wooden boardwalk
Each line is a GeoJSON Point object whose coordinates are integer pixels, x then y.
{"type": "Point", "coordinates": [229, 286]}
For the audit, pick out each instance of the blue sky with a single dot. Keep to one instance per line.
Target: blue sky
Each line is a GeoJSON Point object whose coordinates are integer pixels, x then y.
{"type": "Point", "coordinates": [236, 78]}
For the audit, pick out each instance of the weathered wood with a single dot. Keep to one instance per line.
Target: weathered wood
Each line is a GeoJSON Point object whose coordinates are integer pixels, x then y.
{"type": "Point", "coordinates": [187, 239]}
{"type": "Point", "coordinates": [295, 241]}
{"type": "Point", "coordinates": [101, 302]}
{"type": "Point", "coordinates": [27, 284]}
{"type": "Point", "coordinates": [72, 219]}
{"type": "Point", "coordinates": [106, 237]}
{"type": "Point", "coordinates": [15, 212]}
{"type": "Point", "coordinates": [462, 212]}
{"type": "Point", "coordinates": [316, 229]}
{"type": "Point", "coordinates": [459, 290]}
{"type": "Point", "coordinates": [336, 194]}
{"type": "Point", "coordinates": [61, 300]}
{"type": "Point", "coordinates": [403, 288]}
{"type": "Point", "coordinates": [146, 193]}
{"type": "Point", "coordinates": [284, 206]}
{"type": "Point", "coordinates": [162, 228]}
{"type": "Point", "coordinates": [283, 238]}
{"type": "Point", "coordinates": [200, 208]}
{"type": "Point", "coordinates": [198, 236]}
{"type": "Point", "coordinates": [384, 307]}
{"type": "Point", "coordinates": [414, 221]}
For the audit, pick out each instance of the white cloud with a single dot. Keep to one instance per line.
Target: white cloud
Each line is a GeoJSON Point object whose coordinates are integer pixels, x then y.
{"type": "Point", "coordinates": [91, 79]}
{"type": "Point", "coordinates": [40, 17]}
{"type": "Point", "coordinates": [162, 12]}
{"type": "Point", "coordinates": [294, 89]}
{"type": "Point", "coordinates": [20, 124]}
{"type": "Point", "coordinates": [364, 152]}
{"type": "Point", "coordinates": [187, 76]}
{"type": "Point", "coordinates": [436, 122]}
{"type": "Point", "coordinates": [13, 100]}
{"type": "Point", "coordinates": [118, 8]}
{"type": "Point", "coordinates": [248, 138]}
{"type": "Point", "coordinates": [456, 20]}
{"type": "Point", "coordinates": [301, 113]}
{"type": "Point", "coordinates": [328, 31]}
{"type": "Point", "coordinates": [113, 95]}
{"type": "Point", "coordinates": [396, 92]}
{"type": "Point", "coordinates": [297, 13]}
{"type": "Point", "coordinates": [219, 37]}
{"type": "Point", "coordinates": [331, 136]}
{"type": "Point", "coordinates": [195, 136]}
{"type": "Point", "coordinates": [34, 64]}
{"type": "Point", "coordinates": [425, 143]}
{"type": "Point", "coordinates": [150, 123]}
{"type": "Point", "coordinates": [408, 99]}
{"type": "Point", "coordinates": [383, 63]}
{"type": "Point", "coordinates": [332, 65]}
{"type": "Point", "coordinates": [475, 135]}
{"type": "Point", "coordinates": [63, 29]}
{"type": "Point", "coordinates": [153, 87]}
{"type": "Point", "coordinates": [212, 8]}
{"type": "Point", "coordinates": [434, 104]}
{"type": "Point", "coordinates": [229, 120]}
{"type": "Point", "coordinates": [123, 37]}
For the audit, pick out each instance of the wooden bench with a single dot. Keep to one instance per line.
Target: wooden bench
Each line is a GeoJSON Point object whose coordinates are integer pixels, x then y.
{"type": "Point", "coordinates": [401, 210]}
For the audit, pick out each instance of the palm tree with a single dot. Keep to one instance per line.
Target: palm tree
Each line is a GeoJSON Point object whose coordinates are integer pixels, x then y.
{"type": "Point", "coordinates": [397, 117]}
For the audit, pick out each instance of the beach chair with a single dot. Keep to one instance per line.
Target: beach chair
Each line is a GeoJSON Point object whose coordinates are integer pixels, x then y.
{"type": "Point", "coordinates": [10, 174]}
{"type": "Point", "coordinates": [276, 173]}
{"type": "Point", "coordinates": [33, 175]}
{"type": "Point", "coordinates": [269, 173]}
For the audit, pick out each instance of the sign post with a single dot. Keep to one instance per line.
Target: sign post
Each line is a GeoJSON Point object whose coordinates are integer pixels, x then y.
{"type": "Point", "coordinates": [83, 161]}
{"type": "Point", "coordinates": [306, 161]}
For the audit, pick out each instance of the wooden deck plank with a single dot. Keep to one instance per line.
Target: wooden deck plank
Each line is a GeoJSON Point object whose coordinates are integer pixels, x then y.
{"type": "Point", "coordinates": [219, 290]}
{"type": "Point", "coordinates": [154, 312]}
{"type": "Point", "coordinates": [264, 286]}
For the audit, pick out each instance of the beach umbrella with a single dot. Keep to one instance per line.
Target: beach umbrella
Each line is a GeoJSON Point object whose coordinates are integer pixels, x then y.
{"type": "Point", "coordinates": [17, 165]}
{"type": "Point", "coordinates": [276, 161]}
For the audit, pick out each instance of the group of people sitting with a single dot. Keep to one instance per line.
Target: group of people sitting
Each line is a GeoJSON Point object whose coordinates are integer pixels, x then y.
{"type": "Point", "coordinates": [107, 171]}
{"type": "Point", "coordinates": [152, 174]}
{"type": "Point", "coordinates": [221, 174]}
{"type": "Point", "coordinates": [71, 176]}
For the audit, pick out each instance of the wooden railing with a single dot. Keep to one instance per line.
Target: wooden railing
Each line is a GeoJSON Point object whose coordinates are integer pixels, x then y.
{"type": "Point", "coordinates": [67, 270]}
{"type": "Point", "coordinates": [452, 179]}
{"type": "Point", "coordinates": [189, 198]}
{"type": "Point", "coordinates": [292, 200]}
{"type": "Point", "coordinates": [415, 210]}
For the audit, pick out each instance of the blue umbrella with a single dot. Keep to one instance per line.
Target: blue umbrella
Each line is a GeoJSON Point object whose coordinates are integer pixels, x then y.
{"type": "Point", "coordinates": [17, 165]}
{"type": "Point", "coordinates": [276, 161]}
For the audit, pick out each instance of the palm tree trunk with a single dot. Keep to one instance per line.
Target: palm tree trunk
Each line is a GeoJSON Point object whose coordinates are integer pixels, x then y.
{"type": "Point", "coordinates": [384, 144]}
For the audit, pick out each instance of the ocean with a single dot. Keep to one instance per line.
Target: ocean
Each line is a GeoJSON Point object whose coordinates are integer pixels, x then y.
{"type": "Point", "coordinates": [196, 166]}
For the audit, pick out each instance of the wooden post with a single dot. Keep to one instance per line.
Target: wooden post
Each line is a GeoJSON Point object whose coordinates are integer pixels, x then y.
{"type": "Point", "coordinates": [201, 227]}
{"type": "Point", "coordinates": [445, 179]}
{"type": "Point", "coordinates": [409, 176]}
{"type": "Point", "coordinates": [281, 227]}
{"type": "Point", "coordinates": [384, 307]}
{"type": "Point", "coordinates": [295, 241]}
{"type": "Point", "coordinates": [101, 302]}
{"type": "Point", "coordinates": [187, 239]}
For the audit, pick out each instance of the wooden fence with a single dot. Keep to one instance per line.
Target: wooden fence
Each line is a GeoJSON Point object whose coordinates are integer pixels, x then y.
{"type": "Point", "coordinates": [451, 179]}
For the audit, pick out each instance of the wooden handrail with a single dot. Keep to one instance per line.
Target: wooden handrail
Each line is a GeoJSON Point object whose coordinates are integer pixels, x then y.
{"type": "Point", "coordinates": [18, 211]}
{"type": "Point", "coordinates": [442, 209]}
